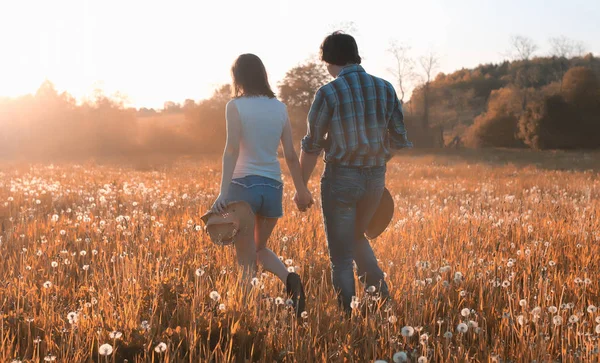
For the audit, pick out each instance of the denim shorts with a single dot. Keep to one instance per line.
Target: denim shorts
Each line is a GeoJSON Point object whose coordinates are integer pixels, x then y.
{"type": "Point", "coordinates": [265, 195]}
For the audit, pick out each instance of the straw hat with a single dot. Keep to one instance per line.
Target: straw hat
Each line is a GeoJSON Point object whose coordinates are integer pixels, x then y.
{"type": "Point", "coordinates": [382, 217]}
{"type": "Point", "coordinates": [236, 222]}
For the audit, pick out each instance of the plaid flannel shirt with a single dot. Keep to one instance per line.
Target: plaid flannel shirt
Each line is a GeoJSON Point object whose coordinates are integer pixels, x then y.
{"type": "Point", "coordinates": [357, 118]}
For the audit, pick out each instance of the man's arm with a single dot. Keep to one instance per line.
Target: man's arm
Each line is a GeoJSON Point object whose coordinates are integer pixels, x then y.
{"type": "Point", "coordinates": [396, 128]}
{"type": "Point", "coordinates": [313, 143]}
{"type": "Point", "coordinates": [308, 162]}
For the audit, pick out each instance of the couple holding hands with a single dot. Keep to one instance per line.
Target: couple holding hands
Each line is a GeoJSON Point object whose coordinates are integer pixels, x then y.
{"type": "Point", "coordinates": [357, 120]}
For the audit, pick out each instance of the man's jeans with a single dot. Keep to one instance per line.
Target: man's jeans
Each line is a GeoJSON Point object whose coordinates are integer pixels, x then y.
{"type": "Point", "coordinates": [350, 196]}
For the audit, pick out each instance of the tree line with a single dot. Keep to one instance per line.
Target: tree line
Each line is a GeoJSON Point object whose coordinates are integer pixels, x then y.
{"type": "Point", "coordinates": [549, 101]}
{"type": "Point", "coordinates": [529, 101]}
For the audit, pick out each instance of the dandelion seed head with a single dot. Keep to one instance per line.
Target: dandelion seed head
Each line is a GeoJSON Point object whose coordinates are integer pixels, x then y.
{"type": "Point", "coordinates": [73, 317]}
{"type": "Point", "coordinates": [115, 335]}
{"type": "Point", "coordinates": [160, 348]}
{"type": "Point", "coordinates": [215, 295]}
{"type": "Point", "coordinates": [105, 350]}
{"type": "Point", "coordinates": [408, 331]}
{"type": "Point", "coordinates": [557, 320]}
{"type": "Point", "coordinates": [400, 357]}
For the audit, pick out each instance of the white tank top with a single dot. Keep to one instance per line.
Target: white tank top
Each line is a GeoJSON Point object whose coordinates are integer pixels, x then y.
{"type": "Point", "coordinates": [263, 120]}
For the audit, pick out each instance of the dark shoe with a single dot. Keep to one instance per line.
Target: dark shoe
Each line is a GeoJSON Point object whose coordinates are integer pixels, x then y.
{"type": "Point", "coordinates": [295, 291]}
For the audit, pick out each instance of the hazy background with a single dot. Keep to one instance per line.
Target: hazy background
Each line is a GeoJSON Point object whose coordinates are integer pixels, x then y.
{"type": "Point", "coordinates": [154, 51]}
{"type": "Point", "coordinates": [140, 80]}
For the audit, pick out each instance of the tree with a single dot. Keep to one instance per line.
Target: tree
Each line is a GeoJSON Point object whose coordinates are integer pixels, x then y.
{"type": "Point", "coordinates": [498, 126]}
{"type": "Point", "coordinates": [522, 48]}
{"type": "Point", "coordinates": [348, 27]}
{"type": "Point", "coordinates": [563, 47]}
{"type": "Point", "coordinates": [581, 87]}
{"type": "Point", "coordinates": [298, 88]}
{"type": "Point", "coordinates": [568, 120]}
{"type": "Point", "coordinates": [403, 68]}
{"type": "Point", "coordinates": [429, 64]}
{"type": "Point", "coordinates": [206, 120]}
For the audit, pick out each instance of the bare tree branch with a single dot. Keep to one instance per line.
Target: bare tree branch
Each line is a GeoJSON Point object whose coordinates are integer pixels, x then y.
{"type": "Point", "coordinates": [403, 68]}
{"type": "Point", "coordinates": [348, 27]}
{"type": "Point", "coordinates": [563, 47]}
{"type": "Point", "coordinates": [429, 63]}
{"type": "Point", "coordinates": [523, 47]}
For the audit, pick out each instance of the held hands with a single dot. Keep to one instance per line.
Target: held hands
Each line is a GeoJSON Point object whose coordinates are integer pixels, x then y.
{"type": "Point", "coordinates": [303, 199]}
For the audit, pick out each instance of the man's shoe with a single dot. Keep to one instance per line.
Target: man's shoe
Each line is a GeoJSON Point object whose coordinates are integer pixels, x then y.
{"type": "Point", "coordinates": [295, 291]}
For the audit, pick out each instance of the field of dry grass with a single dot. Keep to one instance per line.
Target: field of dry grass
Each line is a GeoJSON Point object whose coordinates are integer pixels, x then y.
{"type": "Point", "coordinates": [490, 257]}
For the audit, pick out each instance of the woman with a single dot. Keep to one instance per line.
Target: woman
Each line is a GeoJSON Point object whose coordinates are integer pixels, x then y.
{"type": "Point", "coordinates": [256, 124]}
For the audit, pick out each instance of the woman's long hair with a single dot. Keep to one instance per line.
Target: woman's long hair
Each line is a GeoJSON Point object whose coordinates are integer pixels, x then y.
{"type": "Point", "coordinates": [250, 77]}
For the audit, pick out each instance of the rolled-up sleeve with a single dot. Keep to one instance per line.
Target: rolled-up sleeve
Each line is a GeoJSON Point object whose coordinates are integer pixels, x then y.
{"type": "Point", "coordinates": [319, 118]}
{"type": "Point", "coordinates": [396, 128]}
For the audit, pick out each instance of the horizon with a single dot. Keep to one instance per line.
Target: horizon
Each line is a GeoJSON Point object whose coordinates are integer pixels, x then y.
{"type": "Point", "coordinates": [84, 46]}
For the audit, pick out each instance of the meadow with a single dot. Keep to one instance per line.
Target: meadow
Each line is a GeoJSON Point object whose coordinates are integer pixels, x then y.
{"type": "Point", "coordinates": [491, 256]}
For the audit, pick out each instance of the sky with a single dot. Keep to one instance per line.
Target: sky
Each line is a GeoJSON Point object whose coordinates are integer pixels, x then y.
{"type": "Point", "coordinates": [156, 51]}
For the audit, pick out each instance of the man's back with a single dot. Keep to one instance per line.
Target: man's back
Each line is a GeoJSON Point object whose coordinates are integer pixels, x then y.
{"type": "Point", "coordinates": [356, 118]}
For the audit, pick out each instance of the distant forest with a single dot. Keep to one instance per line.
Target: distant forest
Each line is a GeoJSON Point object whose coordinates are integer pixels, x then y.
{"type": "Point", "coordinates": [532, 102]}
{"type": "Point", "coordinates": [525, 103]}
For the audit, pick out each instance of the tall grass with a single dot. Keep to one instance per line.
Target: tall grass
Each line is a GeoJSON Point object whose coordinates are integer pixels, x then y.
{"type": "Point", "coordinates": [112, 260]}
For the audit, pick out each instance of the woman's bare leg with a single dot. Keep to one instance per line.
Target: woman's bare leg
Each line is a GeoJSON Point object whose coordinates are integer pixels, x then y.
{"type": "Point", "coordinates": [245, 251]}
{"type": "Point", "coordinates": [267, 258]}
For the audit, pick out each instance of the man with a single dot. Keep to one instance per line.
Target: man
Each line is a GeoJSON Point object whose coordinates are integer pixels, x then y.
{"type": "Point", "coordinates": [357, 119]}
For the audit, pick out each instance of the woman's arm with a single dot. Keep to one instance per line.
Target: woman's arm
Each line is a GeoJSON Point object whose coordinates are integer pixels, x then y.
{"type": "Point", "coordinates": [303, 197]}
{"type": "Point", "coordinates": [230, 155]}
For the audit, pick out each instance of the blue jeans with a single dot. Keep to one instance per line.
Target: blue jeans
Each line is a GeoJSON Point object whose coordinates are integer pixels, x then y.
{"type": "Point", "coordinates": [265, 195]}
{"type": "Point", "coordinates": [350, 196]}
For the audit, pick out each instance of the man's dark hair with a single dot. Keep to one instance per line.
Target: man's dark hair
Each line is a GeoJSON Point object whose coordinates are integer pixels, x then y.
{"type": "Point", "coordinates": [340, 49]}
